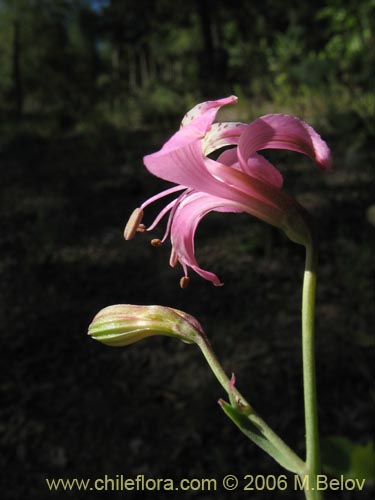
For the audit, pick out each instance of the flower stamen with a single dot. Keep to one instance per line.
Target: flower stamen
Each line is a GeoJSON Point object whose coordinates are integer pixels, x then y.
{"type": "Point", "coordinates": [184, 282]}
{"type": "Point", "coordinates": [173, 258]}
{"type": "Point", "coordinates": [133, 224]}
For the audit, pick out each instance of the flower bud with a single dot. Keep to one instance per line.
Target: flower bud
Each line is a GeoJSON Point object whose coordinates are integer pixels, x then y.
{"type": "Point", "coordinates": [124, 324]}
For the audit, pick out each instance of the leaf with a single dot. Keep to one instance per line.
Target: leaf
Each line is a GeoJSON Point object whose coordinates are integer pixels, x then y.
{"type": "Point", "coordinates": [254, 433]}
{"type": "Point", "coordinates": [341, 456]}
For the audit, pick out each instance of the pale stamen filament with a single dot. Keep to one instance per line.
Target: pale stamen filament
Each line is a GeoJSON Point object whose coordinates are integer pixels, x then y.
{"type": "Point", "coordinates": [161, 214]}
{"type": "Point", "coordinates": [178, 201]}
{"type": "Point", "coordinates": [162, 195]}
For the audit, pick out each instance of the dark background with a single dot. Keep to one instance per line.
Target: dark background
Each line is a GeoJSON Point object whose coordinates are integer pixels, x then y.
{"type": "Point", "coordinates": [88, 88]}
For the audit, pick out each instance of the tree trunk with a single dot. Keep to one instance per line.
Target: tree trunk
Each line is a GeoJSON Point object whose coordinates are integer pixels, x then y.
{"type": "Point", "coordinates": [17, 90]}
{"type": "Point", "coordinates": [206, 26]}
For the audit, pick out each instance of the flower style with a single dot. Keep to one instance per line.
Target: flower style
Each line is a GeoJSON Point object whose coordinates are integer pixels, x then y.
{"type": "Point", "coordinates": [239, 180]}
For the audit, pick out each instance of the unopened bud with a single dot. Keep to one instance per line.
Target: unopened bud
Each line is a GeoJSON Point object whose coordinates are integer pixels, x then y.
{"type": "Point", "coordinates": [124, 324]}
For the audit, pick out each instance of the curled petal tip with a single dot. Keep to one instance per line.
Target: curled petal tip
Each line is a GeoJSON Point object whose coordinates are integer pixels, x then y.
{"type": "Point", "coordinates": [325, 160]}
{"type": "Point", "coordinates": [218, 284]}
{"type": "Point", "coordinates": [133, 224]}
{"type": "Point", "coordinates": [279, 131]}
{"type": "Point", "coordinates": [323, 156]}
{"type": "Point", "coordinates": [204, 113]}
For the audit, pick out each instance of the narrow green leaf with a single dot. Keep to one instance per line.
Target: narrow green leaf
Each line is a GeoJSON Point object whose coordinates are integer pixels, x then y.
{"type": "Point", "coordinates": [255, 434]}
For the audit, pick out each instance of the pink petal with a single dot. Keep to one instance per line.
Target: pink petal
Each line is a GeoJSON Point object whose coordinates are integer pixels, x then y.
{"type": "Point", "coordinates": [195, 124]}
{"type": "Point", "coordinates": [262, 199]}
{"type": "Point", "coordinates": [284, 132]}
{"type": "Point", "coordinates": [184, 165]}
{"type": "Point", "coordinates": [229, 157]}
{"type": "Point", "coordinates": [221, 135]}
{"type": "Point", "coordinates": [185, 222]}
{"type": "Point", "coordinates": [206, 112]}
{"type": "Point", "coordinates": [257, 166]}
{"type": "Point", "coordinates": [188, 167]}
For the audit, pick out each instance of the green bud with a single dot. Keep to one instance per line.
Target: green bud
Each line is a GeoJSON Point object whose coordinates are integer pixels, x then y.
{"type": "Point", "coordinates": [124, 324]}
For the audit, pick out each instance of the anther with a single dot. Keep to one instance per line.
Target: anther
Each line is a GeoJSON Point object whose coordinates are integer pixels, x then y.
{"type": "Point", "coordinates": [173, 259]}
{"type": "Point", "coordinates": [133, 224]}
{"type": "Point", "coordinates": [184, 282]}
{"type": "Point", "coordinates": [156, 242]}
{"type": "Point", "coordinates": [141, 228]}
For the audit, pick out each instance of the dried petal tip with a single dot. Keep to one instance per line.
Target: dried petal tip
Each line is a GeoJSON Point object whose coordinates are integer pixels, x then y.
{"type": "Point", "coordinates": [133, 224]}
{"type": "Point", "coordinates": [184, 282]}
{"type": "Point", "coordinates": [232, 382]}
{"type": "Point", "coordinates": [156, 242]}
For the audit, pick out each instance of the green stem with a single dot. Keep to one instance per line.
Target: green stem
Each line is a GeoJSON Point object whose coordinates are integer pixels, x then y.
{"type": "Point", "coordinates": [267, 432]}
{"type": "Point", "coordinates": [311, 467]}
{"type": "Point", "coordinates": [309, 376]}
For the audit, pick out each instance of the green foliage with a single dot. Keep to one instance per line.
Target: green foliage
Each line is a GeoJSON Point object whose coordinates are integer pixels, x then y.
{"type": "Point", "coordinates": [349, 38]}
{"type": "Point", "coordinates": [63, 62]}
{"type": "Point", "coordinates": [352, 460]}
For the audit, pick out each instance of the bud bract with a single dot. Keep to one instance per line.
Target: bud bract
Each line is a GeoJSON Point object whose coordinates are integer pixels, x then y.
{"type": "Point", "coordinates": [124, 324]}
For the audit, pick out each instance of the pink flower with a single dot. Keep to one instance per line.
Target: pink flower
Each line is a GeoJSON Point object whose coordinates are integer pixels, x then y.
{"type": "Point", "coordinates": [240, 180]}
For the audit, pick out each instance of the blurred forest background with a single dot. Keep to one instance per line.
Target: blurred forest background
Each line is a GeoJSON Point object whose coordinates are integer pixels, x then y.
{"type": "Point", "coordinates": [86, 89]}
{"type": "Point", "coordinates": [72, 65]}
